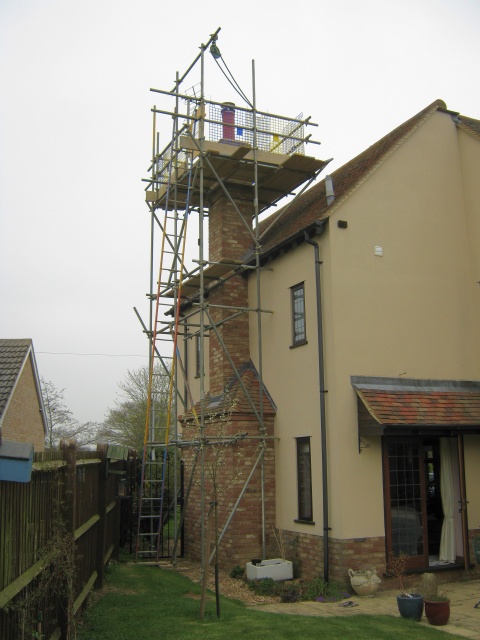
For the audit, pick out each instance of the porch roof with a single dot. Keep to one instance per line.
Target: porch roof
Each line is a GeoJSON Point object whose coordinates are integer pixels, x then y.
{"type": "Point", "coordinates": [409, 403]}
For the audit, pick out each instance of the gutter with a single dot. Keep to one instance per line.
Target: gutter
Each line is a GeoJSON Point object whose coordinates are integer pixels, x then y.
{"type": "Point", "coordinates": [322, 391]}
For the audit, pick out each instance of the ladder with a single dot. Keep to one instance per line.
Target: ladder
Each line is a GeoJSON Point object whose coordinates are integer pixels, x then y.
{"type": "Point", "coordinates": [155, 506]}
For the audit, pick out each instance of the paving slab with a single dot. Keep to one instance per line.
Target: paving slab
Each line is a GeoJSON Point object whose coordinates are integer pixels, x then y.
{"type": "Point", "coordinates": [464, 617]}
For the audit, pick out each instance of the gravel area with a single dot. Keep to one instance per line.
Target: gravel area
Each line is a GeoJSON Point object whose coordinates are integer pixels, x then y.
{"type": "Point", "coordinates": [229, 587]}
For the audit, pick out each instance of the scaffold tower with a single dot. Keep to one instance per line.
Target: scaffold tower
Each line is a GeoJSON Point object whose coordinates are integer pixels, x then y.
{"type": "Point", "coordinates": [224, 164]}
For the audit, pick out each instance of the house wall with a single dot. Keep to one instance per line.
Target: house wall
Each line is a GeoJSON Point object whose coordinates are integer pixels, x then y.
{"type": "Point", "coordinates": [23, 420]}
{"type": "Point", "coordinates": [291, 377]}
{"type": "Point", "coordinates": [472, 463]}
{"type": "Point", "coordinates": [412, 312]}
{"type": "Point", "coordinates": [468, 147]}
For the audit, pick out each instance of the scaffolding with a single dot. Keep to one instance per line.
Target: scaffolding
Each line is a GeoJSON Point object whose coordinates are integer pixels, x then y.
{"type": "Point", "coordinates": [214, 149]}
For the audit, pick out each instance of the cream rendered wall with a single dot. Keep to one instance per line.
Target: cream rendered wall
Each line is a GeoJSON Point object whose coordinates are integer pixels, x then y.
{"type": "Point", "coordinates": [291, 377]}
{"type": "Point", "coordinates": [470, 167]}
{"type": "Point", "coordinates": [469, 150]}
{"type": "Point", "coordinates": [412, 312]}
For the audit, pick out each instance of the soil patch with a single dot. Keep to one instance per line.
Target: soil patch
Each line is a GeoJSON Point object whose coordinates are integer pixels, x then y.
{"type": "Point", "coordinates": [229, 587]}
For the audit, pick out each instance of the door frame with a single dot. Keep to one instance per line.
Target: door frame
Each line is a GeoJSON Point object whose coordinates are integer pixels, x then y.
{"type": "Point", "coordinates": [421, 562]}
{"type": "Point", "coordinates": [418, 561]}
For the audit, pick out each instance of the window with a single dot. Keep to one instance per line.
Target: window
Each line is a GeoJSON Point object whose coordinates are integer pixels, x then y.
{"type": "Point", "coordinates": [299, 335]}
{"type": "Point", "coordinates": [304, 480]}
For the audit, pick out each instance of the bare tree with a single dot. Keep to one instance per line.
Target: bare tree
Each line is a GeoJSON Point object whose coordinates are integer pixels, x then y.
{"type": "Point", "coordinates": [125, 422]}
{"type": "Point", "coordinates": [61, 425]}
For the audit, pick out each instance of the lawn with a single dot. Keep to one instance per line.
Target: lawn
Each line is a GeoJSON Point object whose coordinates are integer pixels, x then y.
{"type": "Point", "coordinates": [144, 603]}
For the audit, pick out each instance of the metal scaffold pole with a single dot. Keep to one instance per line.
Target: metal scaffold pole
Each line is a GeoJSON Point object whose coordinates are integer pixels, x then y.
{"type": "Point", "coordinates": [247, 160]}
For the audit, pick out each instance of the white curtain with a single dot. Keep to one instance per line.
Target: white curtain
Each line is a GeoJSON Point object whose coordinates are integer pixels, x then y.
{"type": "Point", "coordinates": [447, 540]}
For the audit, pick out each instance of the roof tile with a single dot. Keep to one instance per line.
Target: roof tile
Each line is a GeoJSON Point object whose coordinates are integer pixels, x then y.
{"type": "Point", "coordinates": [312, 208]}
{"type": "Point", "coordinates": [12, 357]}
{"type": "Point", "coordinates": [441, 408]}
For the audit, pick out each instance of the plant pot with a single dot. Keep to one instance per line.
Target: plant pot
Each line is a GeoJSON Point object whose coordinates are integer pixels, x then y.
{"type": "Point", "coordinates": [437, 613]}
{"type": "Point", "coordinates": [277, 569]}
{"type": "Point", "coordinates": [364, 583]}
{"type": "Point", "coordinates": [411, 606]}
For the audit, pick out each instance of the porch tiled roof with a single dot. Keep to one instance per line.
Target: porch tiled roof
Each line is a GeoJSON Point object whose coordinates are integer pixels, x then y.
{"type": "Point", "coordinates": [435, 408]}
{"type": "Point", "coordinates": [420, 402]}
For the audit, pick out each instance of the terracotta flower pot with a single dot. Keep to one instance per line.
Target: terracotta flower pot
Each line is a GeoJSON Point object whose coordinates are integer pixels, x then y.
{"type": "Point", "coordinates": [437, 613]}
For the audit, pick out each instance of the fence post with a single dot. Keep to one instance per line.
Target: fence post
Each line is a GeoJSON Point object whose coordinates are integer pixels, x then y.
{"type": "Point", "coordinates": [116, 518]}
{"type": "Point", "coordinates": [102, 512]}
{"type": "Point", "coordinates": [132, 484]}
{"type": "Point", "coordinates": [69, 450]}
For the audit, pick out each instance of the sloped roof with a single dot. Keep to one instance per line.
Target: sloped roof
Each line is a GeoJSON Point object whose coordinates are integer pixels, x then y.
{"type": "Point", "coordinates": [311, 208]}
{"type": "Point", "coordinates": [13, 356]}
{"type": "Point", "coordinates": [234, 400]}
{"type": "Point", "coordinates": [469, 124]}
{"type": "Point", "coordinates": [409, 402]}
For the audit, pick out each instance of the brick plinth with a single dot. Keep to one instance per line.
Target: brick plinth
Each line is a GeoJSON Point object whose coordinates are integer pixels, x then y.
{"type": "Point", "coordinates": [306, 552]}
{"type": "Point", "coordinates": [355, 553]}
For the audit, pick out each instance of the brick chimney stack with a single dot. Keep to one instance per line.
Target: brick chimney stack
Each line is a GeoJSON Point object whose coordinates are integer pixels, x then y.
{"type": "Point", "coordinates": [229, 240]}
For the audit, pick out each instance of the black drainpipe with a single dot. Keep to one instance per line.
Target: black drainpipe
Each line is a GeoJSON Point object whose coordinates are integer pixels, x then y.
{"type": "Point", "coordinates": [322, 391]}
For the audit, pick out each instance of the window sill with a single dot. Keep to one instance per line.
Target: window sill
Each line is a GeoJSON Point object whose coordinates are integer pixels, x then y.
{"type": "Point", "coordinates": [311, 522]}
{"type": "Point", "coordinates": [298, 344]}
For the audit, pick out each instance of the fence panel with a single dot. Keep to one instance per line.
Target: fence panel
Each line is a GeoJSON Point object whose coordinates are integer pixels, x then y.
{"type": "Point", "coordinates": [61, 527]}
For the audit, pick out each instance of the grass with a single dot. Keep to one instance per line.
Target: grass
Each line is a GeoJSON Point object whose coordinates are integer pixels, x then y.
{"type": "Point", "coordinates": [143, 602]}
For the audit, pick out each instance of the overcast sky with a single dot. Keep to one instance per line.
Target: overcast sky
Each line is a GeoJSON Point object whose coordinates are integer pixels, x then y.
{"type": "Point", "coordinates": [75, 139]}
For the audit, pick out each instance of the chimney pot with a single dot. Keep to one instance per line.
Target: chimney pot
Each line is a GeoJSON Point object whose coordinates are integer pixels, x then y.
{"type": "Point", "coordinates": [330, 193]}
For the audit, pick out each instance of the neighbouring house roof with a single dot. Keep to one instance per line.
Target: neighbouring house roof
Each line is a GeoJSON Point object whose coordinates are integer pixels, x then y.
{"type": "Point", "coordinates": [404, 402]}
{"type": "Point", "coordinates": [311, 209]}
{"type": "Point", "coordinates": [14, 354]}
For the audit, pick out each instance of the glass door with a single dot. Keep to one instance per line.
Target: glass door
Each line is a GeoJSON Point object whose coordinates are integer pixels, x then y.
{"type": "Point", "coordinates": [405, 494]}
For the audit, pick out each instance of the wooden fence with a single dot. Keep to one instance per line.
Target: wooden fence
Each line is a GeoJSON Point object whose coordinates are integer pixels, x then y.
{"type": "Point", "coordinates": [57, 535]}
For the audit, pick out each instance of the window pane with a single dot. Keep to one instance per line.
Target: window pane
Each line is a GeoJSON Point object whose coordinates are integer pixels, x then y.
{"type": "Point", "coordinates": [298, 313]}
{"type": "Point", "coordinates": [405, 499]}
{"type": "Point", "coordinates": [304, 479]}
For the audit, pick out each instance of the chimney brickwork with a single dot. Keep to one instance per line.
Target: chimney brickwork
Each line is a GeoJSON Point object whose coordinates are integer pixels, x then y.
{"type": "Point", "coordinates": [231, 463]}
{"type": "Point", "coordinates": [229, 241]}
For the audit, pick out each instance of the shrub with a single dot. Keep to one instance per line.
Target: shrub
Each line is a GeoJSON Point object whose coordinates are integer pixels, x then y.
{"type": "Point", "coordinates": [291, 592]}
{"type": "Point", "coordinates": [319, 589]}
{"type": "Point", "coordinates": [264, 587]}
{"type": "Point", "coordinates": [237, 572]}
